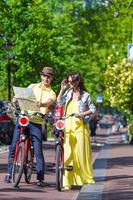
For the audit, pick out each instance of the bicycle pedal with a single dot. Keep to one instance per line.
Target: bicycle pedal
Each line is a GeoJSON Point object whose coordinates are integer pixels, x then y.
{"type": "Point", "coordinates": [69, 167]}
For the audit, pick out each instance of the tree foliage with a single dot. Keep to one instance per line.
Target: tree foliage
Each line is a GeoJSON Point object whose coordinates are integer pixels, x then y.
{"type": "Point", "coordinates": [119, 85]}
{"type": "Point", "coordinates": [68, 35]}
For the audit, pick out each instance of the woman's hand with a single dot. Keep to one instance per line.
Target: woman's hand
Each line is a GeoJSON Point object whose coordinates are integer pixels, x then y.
{"type": "Point", "coordinates": [82, 114]}
{"type": "Point", "coordinates": [64, 84]}
{"type": "Point", "coordinates": [86, 113]}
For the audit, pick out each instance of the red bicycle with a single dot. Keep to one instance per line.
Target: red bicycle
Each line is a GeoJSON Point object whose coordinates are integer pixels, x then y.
{"type": "Point", "coordinates": [24, 153]}
{"type": "Point", "coordinates": [58, 131]}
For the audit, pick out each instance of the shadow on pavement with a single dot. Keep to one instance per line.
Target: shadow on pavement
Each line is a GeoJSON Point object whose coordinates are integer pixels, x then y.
{"type": "Point", "coordinates": [124, 192]}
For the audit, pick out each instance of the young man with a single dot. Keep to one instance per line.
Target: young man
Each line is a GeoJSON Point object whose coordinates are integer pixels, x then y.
{"type": "Point", "coordinates": [45, 96]}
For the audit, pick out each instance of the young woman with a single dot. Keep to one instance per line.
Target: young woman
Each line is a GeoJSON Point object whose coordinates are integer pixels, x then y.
{"type": "Point", "coordinates": [77, 148]}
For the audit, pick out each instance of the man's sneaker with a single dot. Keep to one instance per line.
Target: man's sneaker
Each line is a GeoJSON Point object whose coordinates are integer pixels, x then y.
{"type": "Point", "coordinates": [41, 183]}
{"type": "Point", "coordinates": [7, 178]}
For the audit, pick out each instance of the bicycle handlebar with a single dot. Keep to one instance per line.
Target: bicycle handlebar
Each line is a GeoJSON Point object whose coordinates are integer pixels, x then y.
{"type": "Point", "coordinates": [49, 115]}
{"type": "Point", "coordinates": [73, 115]}
{"type": "Point", "coordinates": [43, 116]}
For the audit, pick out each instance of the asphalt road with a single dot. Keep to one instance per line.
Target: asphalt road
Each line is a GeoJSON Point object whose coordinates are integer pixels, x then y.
{"type": "Point", "coordinates": [49, 192]}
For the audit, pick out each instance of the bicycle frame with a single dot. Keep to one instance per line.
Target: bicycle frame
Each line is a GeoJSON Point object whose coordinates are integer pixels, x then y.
{"type": "Point", "coordinates": [27, 143]}
{"type": "Point", "coordinates": [24, 155]}
{"type": "Point", "coordinates": [60, 142]}
{"type": "Point", "coordinates": [58, 131]}
{"type": "Point", "coordinates": [59, 160]}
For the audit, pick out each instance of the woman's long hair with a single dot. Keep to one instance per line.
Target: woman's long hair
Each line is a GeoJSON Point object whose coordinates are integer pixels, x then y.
{"type": "Point", "coordinates": [76, 78]}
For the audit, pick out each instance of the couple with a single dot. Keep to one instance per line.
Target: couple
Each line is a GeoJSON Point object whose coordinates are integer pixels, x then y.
{"type": "Point", "coordinates": [77, 148]}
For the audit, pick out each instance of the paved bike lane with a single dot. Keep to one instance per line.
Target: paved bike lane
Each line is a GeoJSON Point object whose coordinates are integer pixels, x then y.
{"type": "Point", "coordinates": [31, 191]}
{"type": "Point", "coordinates": [113, 172]}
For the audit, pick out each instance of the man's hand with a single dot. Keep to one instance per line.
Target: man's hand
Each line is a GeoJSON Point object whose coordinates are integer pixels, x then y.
{"type": "Point", "coordinates": [39, 104]}
{"type": "Point", "coordinates": [44, 104]}
{"type": "Point", "coordinates": [14, 100]}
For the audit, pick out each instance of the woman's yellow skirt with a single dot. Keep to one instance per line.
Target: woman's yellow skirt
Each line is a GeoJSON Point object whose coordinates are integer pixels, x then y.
{"type": "Point", "coordinates": [77, 150]}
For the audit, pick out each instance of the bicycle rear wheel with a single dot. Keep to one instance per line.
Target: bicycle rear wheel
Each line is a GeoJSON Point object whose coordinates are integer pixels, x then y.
{"type": "Point", "coordinates": [29, 165]}
{"type": "Point", "coordinates": [59, 168]}
{"type": "Point", "coordinates": [18, 164]}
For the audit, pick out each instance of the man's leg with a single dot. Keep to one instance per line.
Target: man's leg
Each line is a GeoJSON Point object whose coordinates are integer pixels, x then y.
{"type": "Point", "coordinates": [11, 154]}
{"type": "Point", "coordinates": [36, 135]}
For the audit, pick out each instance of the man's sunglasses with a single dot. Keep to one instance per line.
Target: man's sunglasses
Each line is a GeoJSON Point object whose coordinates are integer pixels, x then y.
{"type": "Point", "coordinates": [46, 75]}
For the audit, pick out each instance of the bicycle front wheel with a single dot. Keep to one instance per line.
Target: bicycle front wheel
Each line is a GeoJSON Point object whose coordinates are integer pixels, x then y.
{"type": "Point", "coordinates": [59, 168]}
{"type": "Point", "coordinates": [29, 164]}
{"type": "Point", "coordinates": [18, 164]}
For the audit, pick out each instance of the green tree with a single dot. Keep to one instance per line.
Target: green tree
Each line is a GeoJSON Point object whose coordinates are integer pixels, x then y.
{"type": "Point", "coordinates": [40, 33]}
{"type": "Point", "coordinates": [68, 35]}
{"type": "Point", "coordinates": [118, 79]}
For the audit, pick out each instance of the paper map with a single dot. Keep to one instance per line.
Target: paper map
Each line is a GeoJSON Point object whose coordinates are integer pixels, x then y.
{"type": "Point", "coordinates": [26, 98]}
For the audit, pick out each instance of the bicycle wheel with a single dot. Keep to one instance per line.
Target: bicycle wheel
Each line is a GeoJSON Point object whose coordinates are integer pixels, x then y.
{"type": "Point", "coordinates": [29, 165]}
{"type": "Point", "coordinates": [18, 164]}
{"type": "Point", "coordinates": [59, 168]}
